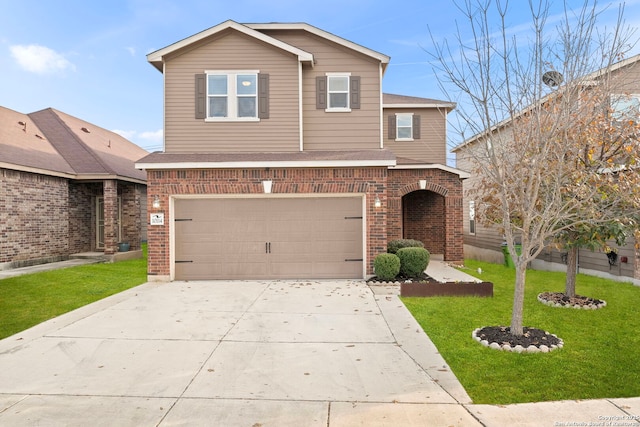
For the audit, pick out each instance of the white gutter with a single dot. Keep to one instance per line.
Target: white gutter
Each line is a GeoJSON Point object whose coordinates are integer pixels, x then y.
{"type": "Point", "coordinates": [268, 164]}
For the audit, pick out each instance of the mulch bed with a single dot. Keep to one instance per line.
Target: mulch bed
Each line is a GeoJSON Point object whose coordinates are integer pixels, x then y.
{"type": "Point", "coordinates": [558, 299]}
{"type": "Point", "coordinates": [532, 341]}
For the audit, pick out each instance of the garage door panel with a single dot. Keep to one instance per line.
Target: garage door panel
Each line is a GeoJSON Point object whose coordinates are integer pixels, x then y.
{"type": "Point", "coordinates": [269, 238]}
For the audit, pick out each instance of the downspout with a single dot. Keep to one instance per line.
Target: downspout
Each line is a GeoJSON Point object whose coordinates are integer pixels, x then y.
{"type": "Point", "coordinates": [300, 106]}
{"type": "Point", "coordinates": [164, 106]}
{"type": "Point", "coordinates": [381, 110]}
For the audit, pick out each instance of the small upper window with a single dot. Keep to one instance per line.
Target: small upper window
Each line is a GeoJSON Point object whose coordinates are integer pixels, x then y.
{"type": "Point", "coordinates": [472, 217]}
{"type": "Point", "coordinates": [338, 92]}
{"type": "Point", "coordinates": [232, 96]}
{"type": "Point", "coordinates": [404, 126]}
{"type": "Point", "coordinates": [625, 107]}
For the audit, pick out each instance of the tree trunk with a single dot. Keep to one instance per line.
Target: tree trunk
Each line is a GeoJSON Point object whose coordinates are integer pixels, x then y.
{"type": "Point", "coordinates": [572, 270]}
{"type": "Point", "coordinates": [518, 299]}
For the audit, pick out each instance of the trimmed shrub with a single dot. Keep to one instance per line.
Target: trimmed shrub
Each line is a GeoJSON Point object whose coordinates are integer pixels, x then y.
{"type": "Point", "coordinates": [394, 245]}
{"type": "Point", "coordinates": [386, 266]}
{"type": "Point", "coordinates": [413, 261]}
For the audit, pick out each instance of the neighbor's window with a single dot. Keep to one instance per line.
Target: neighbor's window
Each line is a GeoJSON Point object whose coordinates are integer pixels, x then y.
{"type": "Point", "coordinates": [404, 127]}
{"type": "Point", "coordinates": [625, 107]}
{"type": "Point", "coordinates": [472, 217]}
{"type": "Point", "coordinates": [232, 96]}
{"type": "Point", "coordinates": [338, 92]}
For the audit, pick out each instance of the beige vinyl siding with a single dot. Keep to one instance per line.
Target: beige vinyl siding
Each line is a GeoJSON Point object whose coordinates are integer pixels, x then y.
{"type": "Point", "coordinates": [231, 51]}
{"type": "Point", "coordinates": [355, 130]}
{"type": "Point", "coordinates": [431, 147]}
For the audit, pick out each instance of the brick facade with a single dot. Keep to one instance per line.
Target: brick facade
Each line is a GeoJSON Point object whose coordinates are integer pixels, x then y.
{"type": "Point", "coordinates": [34, 221]}
{"type": "Point", "coordinates": [45, 218]}
{"type": "Point", "coordinates": [432, 215]}
{"type": "Point", "coordinates": [165, 183]}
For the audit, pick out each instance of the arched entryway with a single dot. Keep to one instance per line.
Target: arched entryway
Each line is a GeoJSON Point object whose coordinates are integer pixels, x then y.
{"type": "Point", "coordinates": [423, 218]}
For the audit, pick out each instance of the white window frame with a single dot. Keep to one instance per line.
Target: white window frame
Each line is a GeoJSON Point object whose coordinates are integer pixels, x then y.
{"type": "Point", "coordinates": [398, 115]}
{"type": "Point", "coordinates": [232, 96]}
{"type": "Point", "coordinates": [472, 218]}
{"type": "Point", "coordinates": [331, 109]}
{"type": "Point", "coordinates": [617, 116]}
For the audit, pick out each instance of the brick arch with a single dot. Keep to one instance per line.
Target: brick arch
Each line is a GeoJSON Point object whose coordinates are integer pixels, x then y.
{"type": "Point", "coordinates": [431, 186]}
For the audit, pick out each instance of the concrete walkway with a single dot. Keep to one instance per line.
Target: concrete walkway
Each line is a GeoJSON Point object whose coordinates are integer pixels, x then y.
{"type": "Point", "coordinates": [252, 353]}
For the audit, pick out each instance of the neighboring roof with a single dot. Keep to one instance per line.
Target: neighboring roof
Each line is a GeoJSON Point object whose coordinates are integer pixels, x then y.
{"type": "Point", "coordinates": [157, 58]}
{"type": "Point", "coordinates": [390, 100]}
{"type": "Point", "coordinates": [587, 80]}
{"type": "Point", "coordinates": [406, 163]}
{"type": "Point", "coordinates": [51, 142]}
{"type": "Point", "coordinates": [254, 30]}
{"type": "Point", "coordinates": [294, 159]}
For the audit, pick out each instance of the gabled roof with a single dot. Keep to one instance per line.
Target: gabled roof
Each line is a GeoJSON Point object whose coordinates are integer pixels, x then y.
{"type": "Point", "coordinates": [157, 58]}
{"type": "Point", "coordinates": [384, 59]}
{"type": "Point", "coordinates": [51, 142]}
{"type": "Point", "coordinates": [255, 30]}
{"type": "Point", "coordinates": [390, 100]}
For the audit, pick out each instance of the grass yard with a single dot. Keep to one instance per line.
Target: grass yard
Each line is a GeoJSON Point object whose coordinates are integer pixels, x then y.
{"type": "Point", "coordinates": [28, 300]}
{"type": "Point", "coordinates": [600, 357]}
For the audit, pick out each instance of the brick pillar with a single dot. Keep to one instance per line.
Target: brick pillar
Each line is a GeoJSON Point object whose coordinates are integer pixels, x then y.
{"type": "Point", "coordinates": [110, 191]}
{"type": "Point", "coordinates": [454, 249]}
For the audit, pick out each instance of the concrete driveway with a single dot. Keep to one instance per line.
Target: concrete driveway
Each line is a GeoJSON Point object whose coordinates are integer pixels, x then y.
{"type": "Point", "coordinates": [262, 353]}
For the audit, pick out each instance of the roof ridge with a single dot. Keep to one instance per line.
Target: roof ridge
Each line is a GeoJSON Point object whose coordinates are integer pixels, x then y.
{"type": "Point", "coordinates": [57, 145]}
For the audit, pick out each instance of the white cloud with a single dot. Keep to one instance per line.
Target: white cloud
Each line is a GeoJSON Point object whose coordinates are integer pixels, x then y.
{"type": "Point", "coordinates": [153, 136]}
{"type": "Point", "coordinates": [131, 50]}
{"type": "Point", "coordinates": [40, 59]}
{"type": "Point", "coordinates": [127, 134]}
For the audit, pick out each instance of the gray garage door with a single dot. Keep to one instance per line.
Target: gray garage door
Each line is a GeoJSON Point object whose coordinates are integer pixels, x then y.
{"type": "Point", "coordinates": [268, 238]}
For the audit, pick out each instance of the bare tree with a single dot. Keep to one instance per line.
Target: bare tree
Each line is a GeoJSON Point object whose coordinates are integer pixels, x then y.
{"type": "Point", "coordinates": [520, 108]}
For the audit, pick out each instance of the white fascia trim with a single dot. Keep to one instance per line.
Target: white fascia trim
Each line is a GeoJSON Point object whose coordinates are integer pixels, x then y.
{"type": "Point", "coordinates": [321, 33]}
{"type": "Point", "coordinates": [37, 171]}
{"type": "Point", "coordinates": [273, 164]}
{"type": "Point", "coordinates": [158, 55]}
{"type": "Point", "coordinates": [448, 106]}
{"type": "Point", "coordinates": [462, 174]}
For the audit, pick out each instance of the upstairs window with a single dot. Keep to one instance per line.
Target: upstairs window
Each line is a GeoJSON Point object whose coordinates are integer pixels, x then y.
{"type": "Point", "coordinates": [472, 217]}
{"type": "Point", "coordinates": [404, 127]}
{"type": "Point", "coordinates": [338, 92]}
{"type": "Point", "coordinates": [232, 96]}
{"type": "Point", "coordinates": [625, 107]}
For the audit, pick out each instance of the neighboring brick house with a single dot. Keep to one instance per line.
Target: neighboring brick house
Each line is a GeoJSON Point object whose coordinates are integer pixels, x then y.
{"type": "Point", "coordinates": [283, 159]}
{"type": "Point", "coordinates": [485, 242]}
{"type": "Point", "coordinates": [66, 187]}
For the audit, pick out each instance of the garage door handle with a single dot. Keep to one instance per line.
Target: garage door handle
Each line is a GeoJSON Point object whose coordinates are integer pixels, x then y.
{"type": "Point", "coordinates": [267, 248]}
{"type": "Point", "coordinates": [353, 259]}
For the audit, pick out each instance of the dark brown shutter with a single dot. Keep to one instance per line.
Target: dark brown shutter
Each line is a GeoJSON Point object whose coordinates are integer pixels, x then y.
{"type": "Point", "coordinates": [354, 88]}
{"type": "Point", "coordinates": [263, 96]}
{"type": "Point", "coordinates": [201, 96]}
{"type": "Point", "coordinates": [321, 92]}
{"type": "Point", "coordinates": [416, 126]}
{"type": "Point", "coordinates": [392, 127]}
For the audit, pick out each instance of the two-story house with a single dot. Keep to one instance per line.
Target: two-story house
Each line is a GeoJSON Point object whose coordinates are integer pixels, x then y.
{"type": "Point", "coordinates": [283, 159]}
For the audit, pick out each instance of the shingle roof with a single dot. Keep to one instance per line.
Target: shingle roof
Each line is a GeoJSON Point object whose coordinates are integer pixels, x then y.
{"type": "Point", "coordinates": [54, 142]}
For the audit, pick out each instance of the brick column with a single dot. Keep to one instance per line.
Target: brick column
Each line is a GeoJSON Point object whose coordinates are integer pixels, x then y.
{"type": "Point", "coordinates": [454, 249]}
{"type": "Point", "coordinates": [110, 192]}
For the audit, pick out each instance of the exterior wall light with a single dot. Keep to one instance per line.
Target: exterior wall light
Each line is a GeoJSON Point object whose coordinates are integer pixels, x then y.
{"type": "Point", "coordinates": [377, 203]}
{"type": "Point", "coordinates": [423, 184]}
{"type": "Point", "coordinates": [156, 202]}
{"type": "Point", "coordinates": [266, 185]}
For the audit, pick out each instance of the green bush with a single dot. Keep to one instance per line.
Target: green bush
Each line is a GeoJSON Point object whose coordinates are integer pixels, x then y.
{"type": "Point", "coordinates": [386, 266]}
{"type": "Point", "coordinates": [394, 245]}
{"type": "Point", "coordinates": [413, 261]}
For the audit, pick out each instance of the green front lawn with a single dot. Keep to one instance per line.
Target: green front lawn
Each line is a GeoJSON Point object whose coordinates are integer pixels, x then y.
{"type": "Point", "coordinates": [600, 358]}
{"type": "Point", "coordinates": [28, 300]}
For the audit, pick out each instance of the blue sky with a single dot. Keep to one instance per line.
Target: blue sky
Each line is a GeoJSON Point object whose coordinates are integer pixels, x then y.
{"type": "Point", "coordinates": [88, 58]}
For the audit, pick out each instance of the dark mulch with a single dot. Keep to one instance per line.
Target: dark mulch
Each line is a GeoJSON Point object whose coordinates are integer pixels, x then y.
{"type": "Point", "coordinates": [424, 278]}
{"type": "Point", "coordinates": [532, 336]}
{"type": "Point", "coordinates": [553, 298]}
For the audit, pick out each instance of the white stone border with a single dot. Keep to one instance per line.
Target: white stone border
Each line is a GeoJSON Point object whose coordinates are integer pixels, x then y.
{"type": "Point", "coordinates": [574, 306]}
{"type": "Point", "coordinates": [518, 348]}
